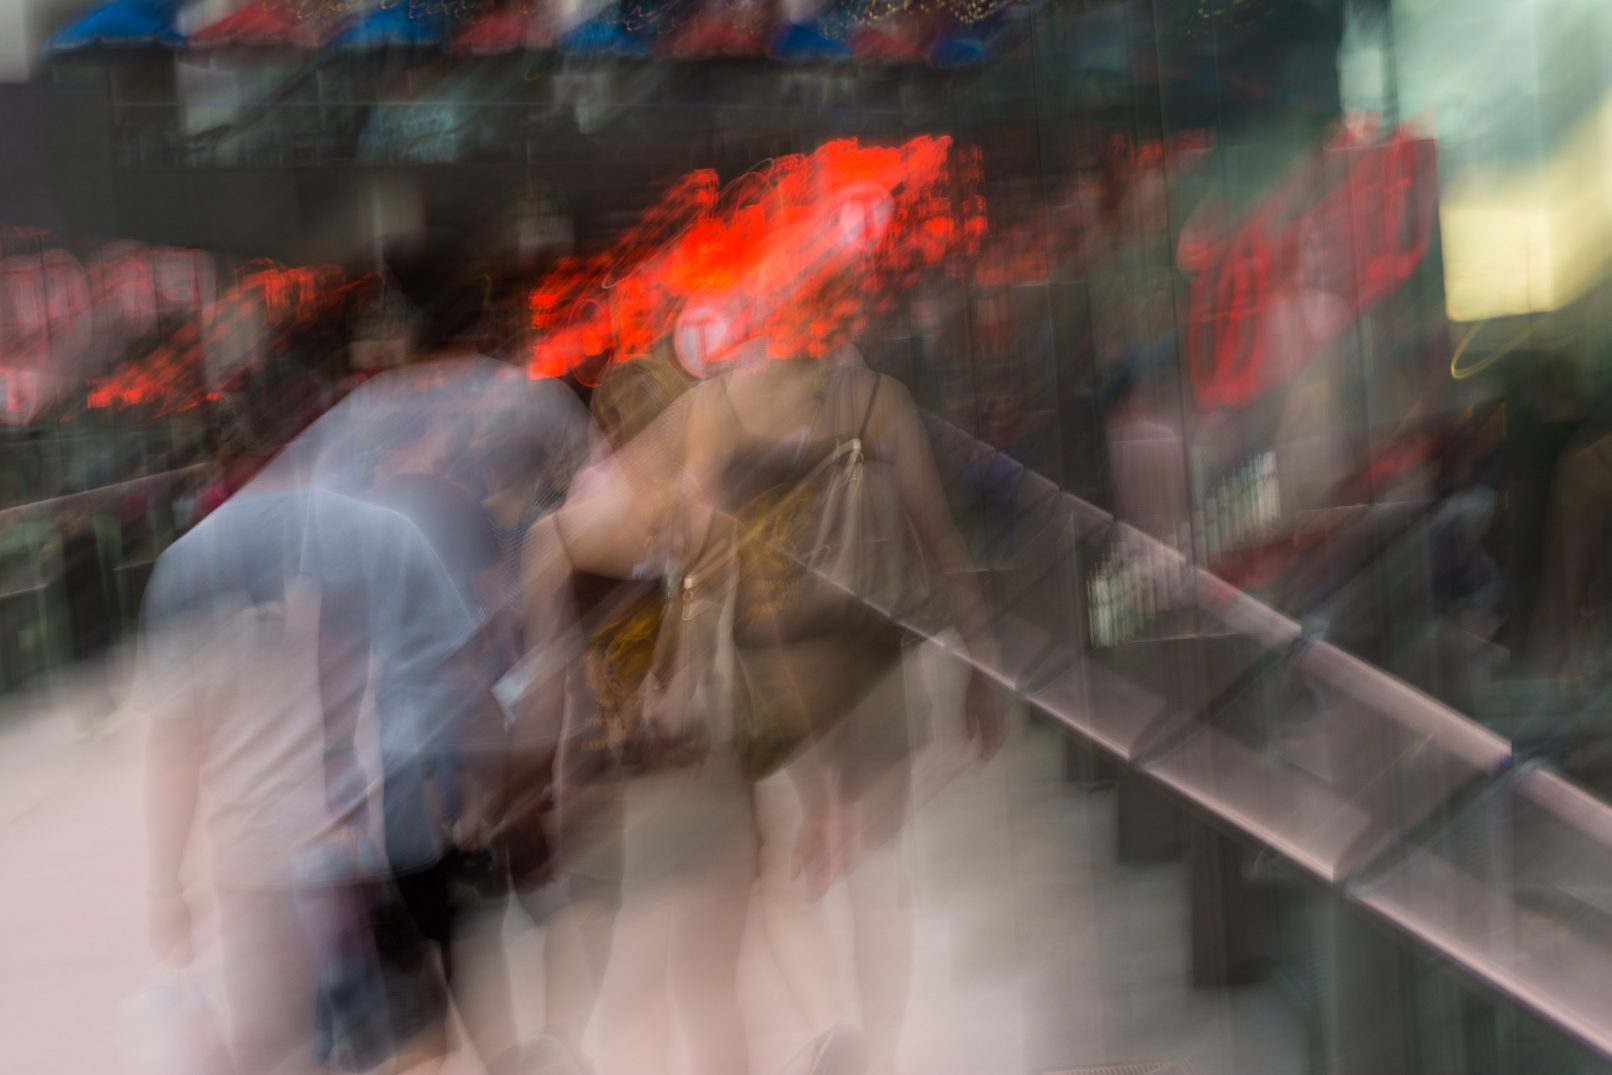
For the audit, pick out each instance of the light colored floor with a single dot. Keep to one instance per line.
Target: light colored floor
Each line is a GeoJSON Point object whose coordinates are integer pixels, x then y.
{"type": "Point", "coordinates": [1034, 950]}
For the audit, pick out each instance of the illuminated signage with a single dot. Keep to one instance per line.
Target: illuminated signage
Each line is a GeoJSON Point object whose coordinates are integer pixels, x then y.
{"type": "Point", "coordinates": [765, 258]}
{"type": "Point", "coordinates": [1341, 232]}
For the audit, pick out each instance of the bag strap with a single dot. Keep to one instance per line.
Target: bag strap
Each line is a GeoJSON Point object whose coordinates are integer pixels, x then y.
{"type": "Point", "coordinates": [565, 546]}
{"type": "Point", "coordinates": [727, 397]}
{"type": "Point", "coordinates": [873, 397]}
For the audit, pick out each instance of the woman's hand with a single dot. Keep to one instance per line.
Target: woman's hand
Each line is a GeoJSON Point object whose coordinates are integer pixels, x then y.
{"type": "Point", "coordinates": [472, 831]}
{"type": "Point", "coordinates": [825, 849]}
{"type": "Point", "coordinates": [521, 839]}
{"type": "Point", "coordinates": [982, 715]}
{"type": "Point", "coordinates": [521, 812]}
{"type": "Point", "coordinates": [170, 926]}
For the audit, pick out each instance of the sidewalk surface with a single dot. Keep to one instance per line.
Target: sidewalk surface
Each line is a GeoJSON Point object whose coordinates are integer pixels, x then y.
{"type": "Point", "coordinates": [1035, 951]}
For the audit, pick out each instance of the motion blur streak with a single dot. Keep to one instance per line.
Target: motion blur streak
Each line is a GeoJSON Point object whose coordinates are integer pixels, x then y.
{"type": "Point", "coordinates": [828, 537]}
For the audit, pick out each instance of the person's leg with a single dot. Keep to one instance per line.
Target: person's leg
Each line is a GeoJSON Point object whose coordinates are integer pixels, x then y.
{"type": "Point", "coordinates": [707, 934]}
{"type": "Point", "coordinates": [426, 899]}
{"type": "Point", "coordinates": [612, 838]}
{"type": "Point", "coordinates": [634, 1024]}
{"type": "Point", "coordinates": [796, 927]}
{"type": "Point", "coordinates": [576, 949]}
{"type": "Point", "coordinates": [579, 931]}
{"type": "Point", "coordinates": [481, 989]}
{"type": "Point", "coordinates": [881, 916]}
{"type": "Point", "coordinates": [709, 898]}
{"type": "Point", "coordinates": [270, 982]}
{"type": "Point", "coordinates": [878, 771]}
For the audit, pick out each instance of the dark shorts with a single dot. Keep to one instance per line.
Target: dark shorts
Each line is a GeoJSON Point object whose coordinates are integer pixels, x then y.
{"type": "Point", "coordinates": [428, 897]}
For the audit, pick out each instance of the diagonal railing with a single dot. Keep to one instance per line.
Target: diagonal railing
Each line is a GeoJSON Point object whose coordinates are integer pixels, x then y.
{"type": "Point", "coordinates": [1404, 807]}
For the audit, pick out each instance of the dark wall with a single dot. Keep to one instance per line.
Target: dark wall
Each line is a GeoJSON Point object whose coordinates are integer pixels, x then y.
{"type": "Point", "coordinates": [26, 194]}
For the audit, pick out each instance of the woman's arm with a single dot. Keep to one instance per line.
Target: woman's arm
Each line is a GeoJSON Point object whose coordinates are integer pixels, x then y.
{"type": "Point", "coordinates": [899, 437]}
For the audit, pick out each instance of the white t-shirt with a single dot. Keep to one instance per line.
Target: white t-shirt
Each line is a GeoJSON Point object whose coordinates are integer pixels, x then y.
{"type": "Point", "coordinates": [231, 643]}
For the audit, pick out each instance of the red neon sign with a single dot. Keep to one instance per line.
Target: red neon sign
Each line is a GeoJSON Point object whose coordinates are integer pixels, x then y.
{"type": "Point", "coordinates": [757, 260]}
{"type": "Point", "coordinates": [1303, 266]}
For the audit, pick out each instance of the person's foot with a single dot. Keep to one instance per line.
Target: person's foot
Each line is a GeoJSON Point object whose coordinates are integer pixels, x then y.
{"type": "Point", "coordinates": [840, 1051]}
{"type": "Point", "coordinates": [551, 1055]}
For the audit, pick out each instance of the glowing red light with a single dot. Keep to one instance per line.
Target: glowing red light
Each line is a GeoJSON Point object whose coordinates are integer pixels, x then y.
{"type": "Point", "coordinates": [765, 244]}
{"type": "Point", "coordinates": [1375, 214]}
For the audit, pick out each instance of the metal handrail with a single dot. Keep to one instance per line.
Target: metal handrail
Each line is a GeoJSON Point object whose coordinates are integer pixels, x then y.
{"type": "Point", "coordinates": [18, 512]}
{"type": "Point", "coordinates": [1380, 873]}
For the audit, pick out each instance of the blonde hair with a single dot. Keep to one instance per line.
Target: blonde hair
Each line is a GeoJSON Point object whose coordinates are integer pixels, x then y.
{"type": "Point", "coordinates": [634, 393]}
{"type": "Point", "coordinates": [627, 405]}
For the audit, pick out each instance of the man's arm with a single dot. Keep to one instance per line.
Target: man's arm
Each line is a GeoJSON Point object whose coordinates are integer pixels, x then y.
{"type": "Point", "coordinates": [537, 713]}
{"type": "Point", "coordinates": [173, 785]}
{"type": "Point", "coordinates": [176, 746]}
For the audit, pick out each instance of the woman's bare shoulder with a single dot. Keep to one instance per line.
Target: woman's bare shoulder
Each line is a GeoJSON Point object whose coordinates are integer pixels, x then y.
{"type": "Point", "coordinates": [893, 394]}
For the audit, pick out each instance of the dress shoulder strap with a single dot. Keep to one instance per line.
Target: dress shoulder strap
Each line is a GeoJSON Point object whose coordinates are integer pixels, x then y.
{"type": "Point", "coordinates": [553, 519]}
{"type": "Point", "coordinates": [867, 416]}
{"type": "Point", "coordinates": [727, 397]}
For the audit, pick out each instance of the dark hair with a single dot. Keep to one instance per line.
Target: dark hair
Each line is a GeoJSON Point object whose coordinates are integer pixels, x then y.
{"type": "Point", "coordinates": [633, 394]}
{"type": "Point", "coordinates": [512, 452]}
{"type": "Point", "coordinates": [264, 408]}
{"type": "Point", "coordinates": [436, 273]}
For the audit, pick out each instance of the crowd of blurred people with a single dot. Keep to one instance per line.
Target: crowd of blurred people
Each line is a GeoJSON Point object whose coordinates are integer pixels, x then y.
{"type": "Point", "coordinates": [465, 645]}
